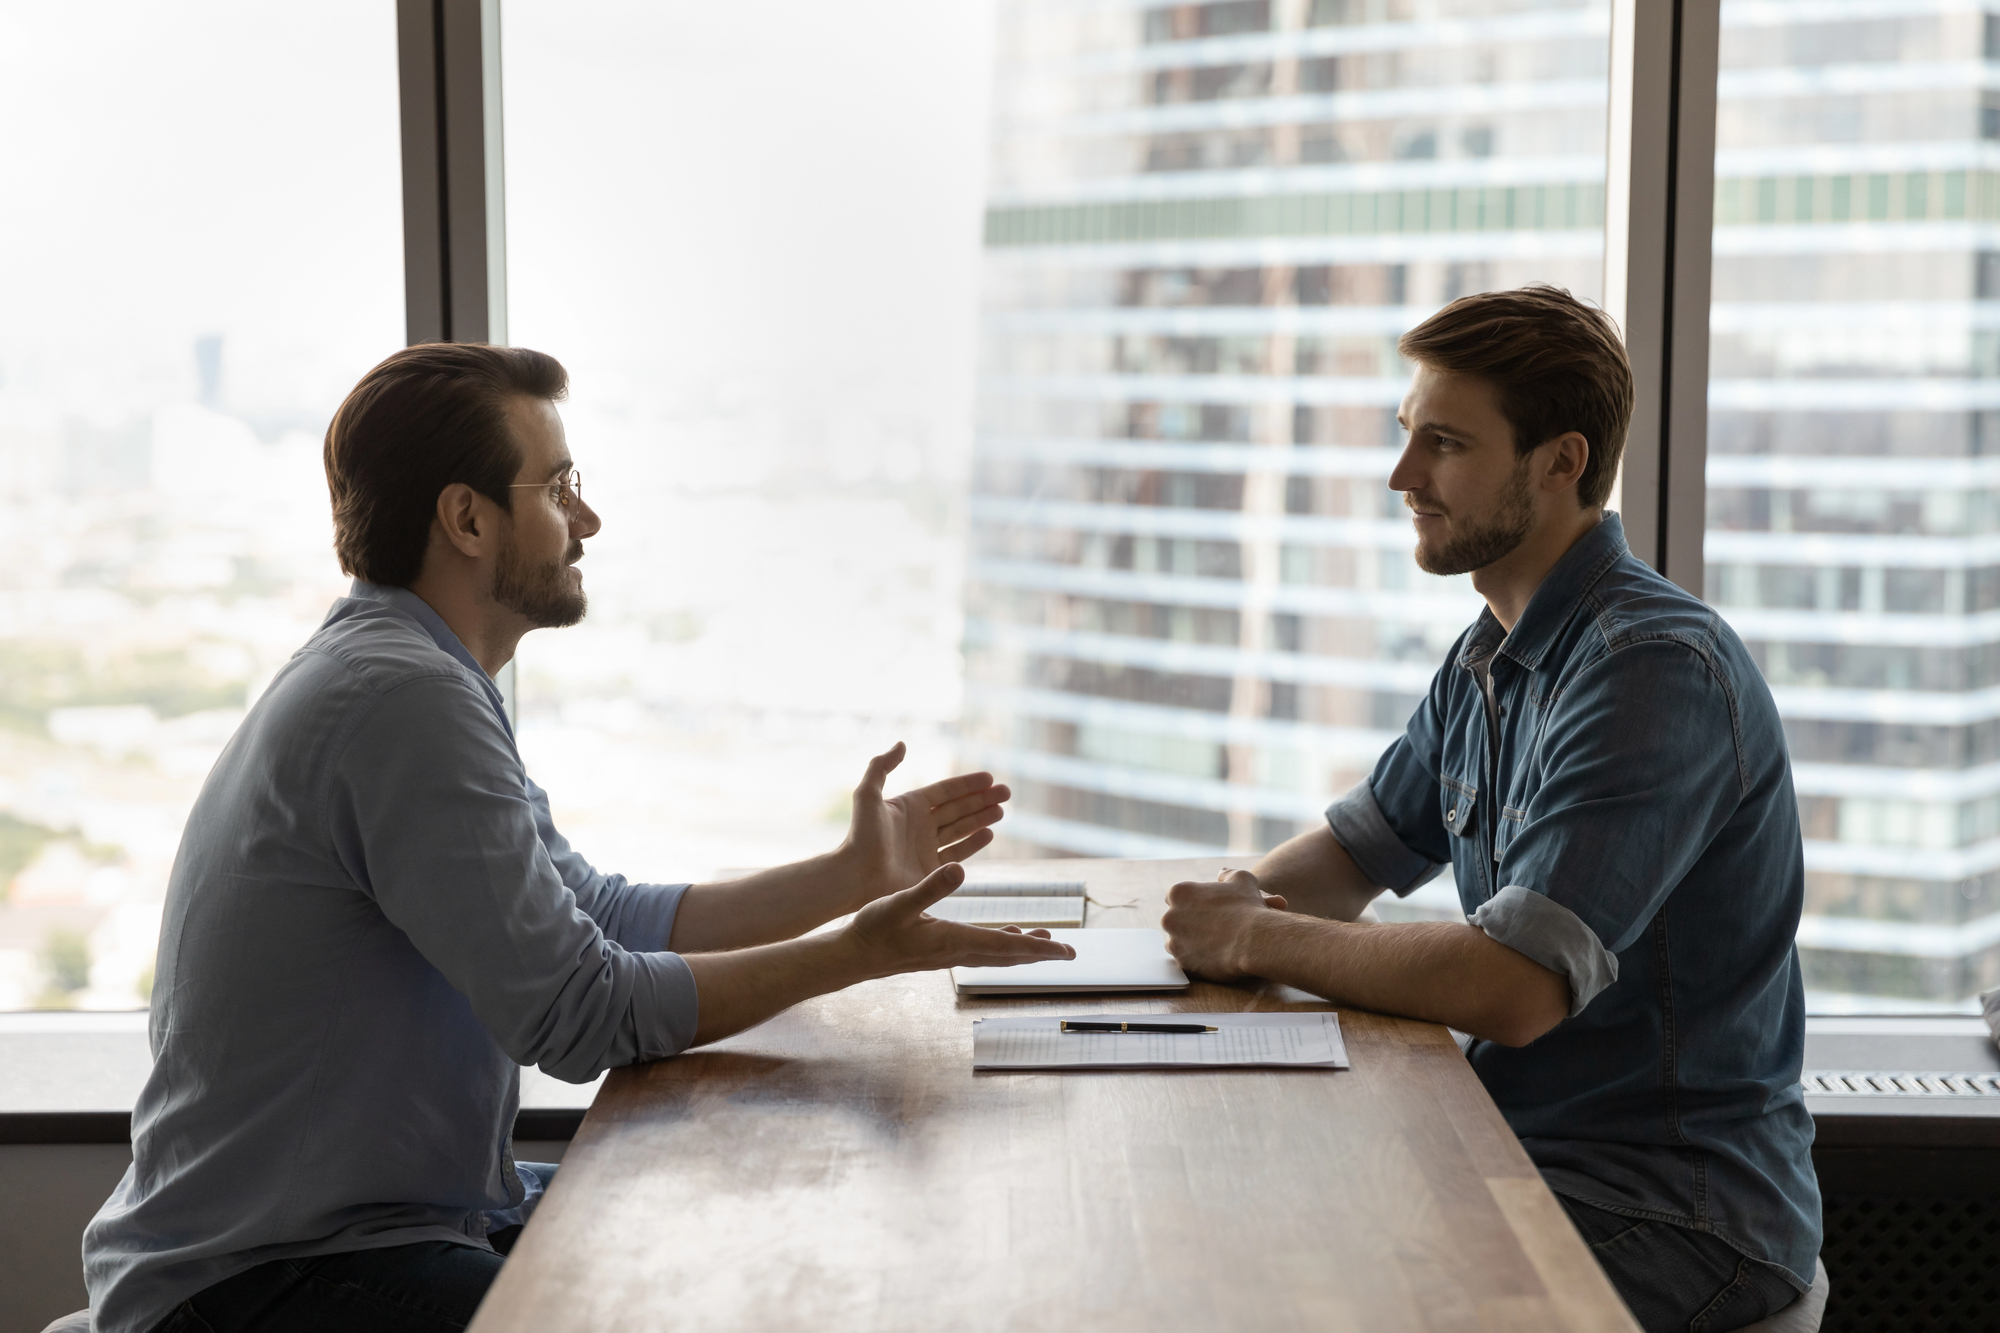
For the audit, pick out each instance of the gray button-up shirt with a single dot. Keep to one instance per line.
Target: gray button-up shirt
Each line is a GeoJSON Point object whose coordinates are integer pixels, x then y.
{"type": "Point", "coordinates": [371, 924]}
{"type": "Point", "coordinates": [1610, 787]}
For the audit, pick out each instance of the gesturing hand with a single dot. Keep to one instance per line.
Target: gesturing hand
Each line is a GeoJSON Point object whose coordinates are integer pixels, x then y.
{"type": "Point", "coordinates": [893, 843]}
{"type": "Point", "coordinates": [1206, 923]}
{"type": "Point", "coordinates": [895, 934]}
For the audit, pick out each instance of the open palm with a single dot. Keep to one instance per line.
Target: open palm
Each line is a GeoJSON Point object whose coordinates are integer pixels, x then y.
{"type": "Point", "coordinates": [894, 842]}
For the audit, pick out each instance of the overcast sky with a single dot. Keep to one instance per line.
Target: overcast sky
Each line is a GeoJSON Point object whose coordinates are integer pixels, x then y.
{"type": "Point", "coordinates": [707, 204]}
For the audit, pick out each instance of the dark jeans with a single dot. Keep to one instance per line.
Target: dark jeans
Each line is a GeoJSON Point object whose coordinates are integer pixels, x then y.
{"type": "Point", "coordinates": [431, 1287]}
{"type": "Point", "coordinates": [1676, 1280]}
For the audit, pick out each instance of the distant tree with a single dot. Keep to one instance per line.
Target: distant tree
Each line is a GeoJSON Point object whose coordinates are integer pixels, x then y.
{"type": "Point", "coordinates": [66, 954]}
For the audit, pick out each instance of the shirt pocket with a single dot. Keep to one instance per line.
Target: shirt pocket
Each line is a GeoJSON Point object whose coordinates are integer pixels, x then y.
{"type": "Point", "coordinates": [1468, 849]}
{"type": "Point", "coordinates": [1460, 802]}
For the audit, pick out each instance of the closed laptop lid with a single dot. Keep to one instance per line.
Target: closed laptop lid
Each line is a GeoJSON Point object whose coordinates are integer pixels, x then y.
{"type": "Point", "coordinates": [1106, 960]}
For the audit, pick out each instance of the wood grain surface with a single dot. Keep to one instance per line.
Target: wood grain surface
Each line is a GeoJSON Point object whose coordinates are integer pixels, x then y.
{"type": "Point", "coordinates": [843, 1168]}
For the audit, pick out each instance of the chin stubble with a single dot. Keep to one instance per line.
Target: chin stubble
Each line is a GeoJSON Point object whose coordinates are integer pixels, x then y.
{"type": "Point", "coordinates": [541, 594]}
{"type": "Point", "coordinates": [1494, 539]}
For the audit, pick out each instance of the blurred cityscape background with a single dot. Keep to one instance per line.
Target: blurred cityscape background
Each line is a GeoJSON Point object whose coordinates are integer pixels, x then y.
{"type": "Point", "coordinates": [1016, 380]}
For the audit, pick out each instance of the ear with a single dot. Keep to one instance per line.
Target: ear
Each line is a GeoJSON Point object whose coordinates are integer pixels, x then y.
{"type": "Point", "coordinates": [1564, 459]}
{"type": "Point", "coordinates": [461, 520]}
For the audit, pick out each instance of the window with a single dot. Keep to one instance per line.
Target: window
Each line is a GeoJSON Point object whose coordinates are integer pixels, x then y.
{"type": "Point", "coordinates": [1852, 483]}
{"type": "Point", "coordinates": [1069, 462]}
{"type": "Point", "coordinates": [1192, 616]}
{"type": "Point", "coordinates": [200, 253]}
{"type": "Point", "coordinates": [752, 234]}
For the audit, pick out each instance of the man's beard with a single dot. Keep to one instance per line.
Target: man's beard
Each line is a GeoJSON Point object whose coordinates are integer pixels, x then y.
{"type": "Point", "coordinates": [1476, 548]}
{"type": "Point", "coordinates": [542, 594]}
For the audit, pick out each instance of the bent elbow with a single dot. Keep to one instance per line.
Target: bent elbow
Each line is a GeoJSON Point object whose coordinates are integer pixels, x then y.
{"type": "Point", "coordinates": [1526, 1018]}
{"type": "Point", "coordinates": [1518, 1031]}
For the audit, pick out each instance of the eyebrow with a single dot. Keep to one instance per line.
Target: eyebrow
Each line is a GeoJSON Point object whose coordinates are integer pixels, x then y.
{"type": "Point", "coordinates": [1436, 428]}
{"type": "Point", "coordinates": [560, 468]}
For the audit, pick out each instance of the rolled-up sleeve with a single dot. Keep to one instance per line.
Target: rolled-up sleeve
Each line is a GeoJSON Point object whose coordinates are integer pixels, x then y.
{"type": "Point", "coordinates": [1390, 824]}
{"type": "Point", "coordinates": [437, 826]}
{"type": "Point", "coordinates": [1358, 824]}
{"type": "Point", "coordinates": [1545, 931]}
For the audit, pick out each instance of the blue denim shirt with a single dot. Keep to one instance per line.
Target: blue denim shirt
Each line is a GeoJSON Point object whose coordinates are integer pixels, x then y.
{"type": "Point", "coordinates": [1618, 807]}
{"type": "Point", "coordinates": [371, 925]}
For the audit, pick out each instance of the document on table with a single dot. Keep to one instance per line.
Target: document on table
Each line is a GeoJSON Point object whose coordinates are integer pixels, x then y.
{"type": "Point", "coordinates": [1243, 1041]}
{"type": "Point", "coordinates": [986, 902]}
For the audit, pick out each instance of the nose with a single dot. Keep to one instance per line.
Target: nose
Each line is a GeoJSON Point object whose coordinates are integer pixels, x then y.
{"type": "Point", "coordinates": [584, 521]}
{"type": "Point", "coordinates": [1408, 473]}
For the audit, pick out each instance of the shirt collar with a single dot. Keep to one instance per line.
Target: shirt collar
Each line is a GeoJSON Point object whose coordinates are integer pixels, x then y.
{"type": "Point", "coordinates": [1554, 599]}
{"type": "Point", "coordinates": [408, 604]}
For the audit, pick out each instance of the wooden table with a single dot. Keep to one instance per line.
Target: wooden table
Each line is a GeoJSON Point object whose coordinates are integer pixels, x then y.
{"type": "Point", "coordinates": [842, 1168]}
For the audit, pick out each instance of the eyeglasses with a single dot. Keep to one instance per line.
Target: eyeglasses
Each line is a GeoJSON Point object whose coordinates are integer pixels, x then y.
{"type": "Point", "coordinates": [564, 491]}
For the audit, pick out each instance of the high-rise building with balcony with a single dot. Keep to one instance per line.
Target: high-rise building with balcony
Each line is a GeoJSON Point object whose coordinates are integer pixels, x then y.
{"type": "Point", "coordinates": [1193, 617]}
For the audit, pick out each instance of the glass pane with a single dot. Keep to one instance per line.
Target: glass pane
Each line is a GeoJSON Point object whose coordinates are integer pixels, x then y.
{"type": "Point", "coordinates": [200, 253]}
{"type": "Point", "coordinates": [1852, 488]}
{"type": "Point", "coordinates": [1183, 612]}
{"type": "Point", "coordinates": [1194, 616]}
{"type": "Point", "coordinates": [751, 233]}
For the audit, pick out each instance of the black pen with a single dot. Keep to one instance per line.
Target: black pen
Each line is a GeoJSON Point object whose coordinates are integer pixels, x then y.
{"type": "Point", "coordinates": [1068, 1026]}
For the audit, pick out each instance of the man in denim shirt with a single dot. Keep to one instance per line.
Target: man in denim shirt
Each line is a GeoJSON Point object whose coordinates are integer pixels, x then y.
{"type": "Point", "coordinates": [1603, 768]}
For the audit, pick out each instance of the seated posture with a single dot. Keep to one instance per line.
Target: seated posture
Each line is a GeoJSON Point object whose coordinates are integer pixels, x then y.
{"type": "Point", "coordinates": [1603, 769]}
{"type": "Point", "coordinates": [372, 921]}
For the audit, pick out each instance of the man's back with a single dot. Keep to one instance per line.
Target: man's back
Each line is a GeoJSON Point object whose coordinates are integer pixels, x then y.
{"type": "Point", "coordinates": [329, 1069]}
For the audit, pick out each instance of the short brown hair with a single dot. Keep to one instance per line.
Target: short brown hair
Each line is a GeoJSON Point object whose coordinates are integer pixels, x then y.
{"type": "Point", "coordinates": [427, 417]}
{"type": "Point", "coordinates": [1559, 365]}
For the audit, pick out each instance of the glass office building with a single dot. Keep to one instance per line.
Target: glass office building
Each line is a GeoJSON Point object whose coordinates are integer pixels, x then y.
{"type": "Point", "coordinates": [1193, 617]}
{"type": "Point", "coordinates": [1853, 535]}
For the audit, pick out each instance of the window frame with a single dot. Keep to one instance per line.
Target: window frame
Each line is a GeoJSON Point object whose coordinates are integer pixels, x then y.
{"type": "Point", "coordinates": [1659, 224]}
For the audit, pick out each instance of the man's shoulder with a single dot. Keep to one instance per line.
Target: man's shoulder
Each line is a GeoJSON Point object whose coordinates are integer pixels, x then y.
{"type": "Point", "coordinates": [1633, 606]}
{"type": "Point", "coordinates": [1631, 603]}
{"type": "Point", "coordinates": [380, 649]}
{"type": "Point", "coordinates": [1633, 613]}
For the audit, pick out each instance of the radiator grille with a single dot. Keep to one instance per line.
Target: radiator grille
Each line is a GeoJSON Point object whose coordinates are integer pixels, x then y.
{"type": "Point", "coordinates": [1912, 1265]}
{"type": "Point", "coordinates": [1897, 1083]}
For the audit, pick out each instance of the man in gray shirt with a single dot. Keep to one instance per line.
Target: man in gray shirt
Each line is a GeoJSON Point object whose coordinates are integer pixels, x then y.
{"type": "Point", "coordinates": [372, 921]}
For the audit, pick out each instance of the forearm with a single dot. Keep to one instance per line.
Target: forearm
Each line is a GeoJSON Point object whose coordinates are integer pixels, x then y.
{"type": "Point", "coordinates": [743, 987]}
{"type": "Point", "coordinates": [768, 905]}
{"type": "Point", "coordinates": [1314, 874]}
{"type": "Point", "coordinates": [1434, 970]}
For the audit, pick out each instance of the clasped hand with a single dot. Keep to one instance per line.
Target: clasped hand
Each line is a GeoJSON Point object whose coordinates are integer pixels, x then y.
{"type": "Point", "coordinates": [1209, 925]}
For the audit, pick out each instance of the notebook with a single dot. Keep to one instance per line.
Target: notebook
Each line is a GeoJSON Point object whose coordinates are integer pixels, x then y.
{"type": "Point", "coordinates": [1014, 902]}
{"type": "Point", "coordinates": [1106, 960]}
{"type": "Point", "coordinates": [1243, 1041]}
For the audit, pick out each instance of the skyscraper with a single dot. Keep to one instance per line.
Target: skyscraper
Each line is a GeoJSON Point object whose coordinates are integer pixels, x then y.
{"type": "Point", "coordinates": [1853, 423]}
{"type": "Point", "coordinates": [1193, 617]}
